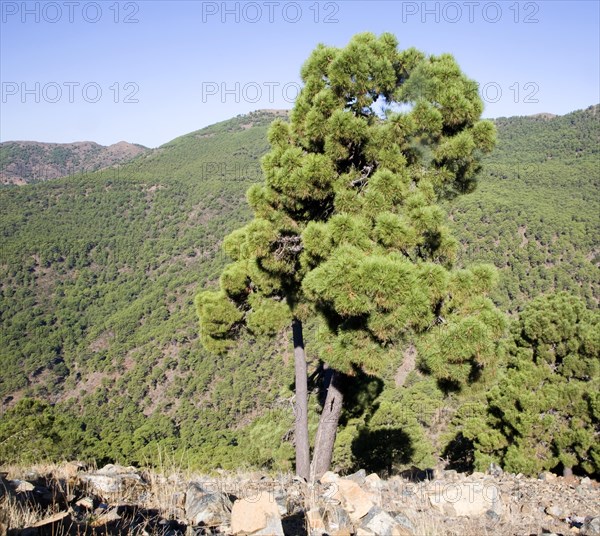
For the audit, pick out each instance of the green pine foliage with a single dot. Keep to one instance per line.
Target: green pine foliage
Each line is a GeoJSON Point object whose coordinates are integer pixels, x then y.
{"type": "Point", "coordinates": [347, 221]}
{"type": "Point", "coordinates": [543, 412]}
{"type": "Point", "coordinates": [348, 228]}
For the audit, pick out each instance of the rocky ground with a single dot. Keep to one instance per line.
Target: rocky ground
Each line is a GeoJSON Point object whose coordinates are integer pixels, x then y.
{"type": "Point", "coordinates": [72, 499]}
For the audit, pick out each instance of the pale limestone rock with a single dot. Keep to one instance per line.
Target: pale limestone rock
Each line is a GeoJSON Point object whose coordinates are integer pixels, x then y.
{"type": "Point", "coordinates": [373, 481]}
{"type": "Point", "coordinates": [113, 479]}
{"type": "Point", "coordinates": [468, 499]}
{"type": "Point", "coordinates": [256, 516]}
{"type": "Point", "coordinates": [353, 498]}
{"type": "Point", "coordinates": [22, 486]}
{"type": "Point", "coordinates": [329, 477]}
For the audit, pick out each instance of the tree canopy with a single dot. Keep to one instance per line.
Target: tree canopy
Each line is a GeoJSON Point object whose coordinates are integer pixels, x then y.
{"type": "Point", "coordinates": [347, 225]}
{"type": "Point", "coordinates": [545, 411]}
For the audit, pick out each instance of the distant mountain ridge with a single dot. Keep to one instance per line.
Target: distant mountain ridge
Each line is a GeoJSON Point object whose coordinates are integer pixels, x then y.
{"type": "Point", "coordinates": [25, 162]}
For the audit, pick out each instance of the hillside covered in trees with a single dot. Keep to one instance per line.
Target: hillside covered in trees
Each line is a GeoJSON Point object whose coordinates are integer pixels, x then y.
{"type": "Point", "coordinates": [99, 346]}
{"type": "Point", "coordinates": [26, 162]}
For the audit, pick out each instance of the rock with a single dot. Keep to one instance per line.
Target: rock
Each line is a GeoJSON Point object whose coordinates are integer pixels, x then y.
{"type": "Point", "coordinates": [115, 469]}
{"type": "Point", "coordinates": [207, 509]}
{"type": "Point", "coordinates": [113, 479]}
{"type": "Point", "coordinates": [105, 518]}
{"type": "Point", "coordinates": [469, 499]}
{"type": "Point", "coordinates": [353, 498]}
{"type": "Point", "coordinates": [87, 503]}
{"type": "Point", "coordinates": [337, 521]}
{"type": "Point", "coordinates": [281, 500]}
{"type": "Point", "coordinates": [22, 486]}
{"type": "Point", "coordinates": [405, 522]}
{"type": "Point", "coordinates": [378, 522]}
{"type": "Point", "coordinates": [315, 522]}
{"type": "Point", "coordinates": [373, 481]}
{"type": "Point", "coordinates": [358, 477]}
{"type": "Point", "coordinates": [33, 476]}
{"type": "Point", "coordinates": [492, 516]}
{"type": "Point", "coordinates": [554, 511]}
{"type": "Point", "coordinates": [259, 517]}
{"type": "Point", "coordinates": [329, 477]}
{"type": "Point", "coordinates": [591, 526]}
{"type": "Point", "coordinates": [495, 470]}
{"type": "Point", "coordinates": [547, 476]}
{"type": "Point", "coordinates": [71, 470]}
{"type": "Point", "coordinates": [450, 474]}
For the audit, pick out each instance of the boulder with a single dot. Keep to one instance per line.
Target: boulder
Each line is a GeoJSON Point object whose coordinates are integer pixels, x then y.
{"type": "Point", "coordinates": [358, 477]}
{"type": "Point", "coordinates": [495, 470]}
{"type": "Point", "coordinates": [282, 501]}
{"type": "Point", "coordinates": [468, 499]}
{"type": "Point", "coordinates": [353, 498]}
{"type": "Point", "coordinates": [22, 486]}
{"type": "Point", "coordinates": [374, 482]}
{"type": "Point", "coordinates": [546, 476]}
{"type": "Point", "coordinates": [258, 516]}
{"type": "Point", "coordinates": [337, 521]}
{"type": "Point", "coordinates": [206, 509]}
{"type": "Point", "coordinates": [329, 477]}
{"type": "Point", "coordinates": [86, 503]}
{"type": "Point", "coordinates": [71, 470]}
{"type": "Point", "coordinates": [113, 479]}
{"type": "Point", "coordinates": [379, 523]}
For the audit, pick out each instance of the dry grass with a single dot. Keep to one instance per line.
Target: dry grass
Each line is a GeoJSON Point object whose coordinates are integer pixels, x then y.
{"type": "Point", "coordinates": [18, 516]}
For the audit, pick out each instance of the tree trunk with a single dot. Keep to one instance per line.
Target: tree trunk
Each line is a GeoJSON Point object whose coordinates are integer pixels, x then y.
{"type": "Point", "coordinates": [328, 425]}
{"type": "Point", "coordinates": [301, 407]}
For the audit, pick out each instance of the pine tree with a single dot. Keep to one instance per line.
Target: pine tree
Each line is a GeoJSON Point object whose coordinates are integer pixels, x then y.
{"type": "Point", "coordinates": [347, 227]}
{"type": "Point", "coordinates": [544, 412]}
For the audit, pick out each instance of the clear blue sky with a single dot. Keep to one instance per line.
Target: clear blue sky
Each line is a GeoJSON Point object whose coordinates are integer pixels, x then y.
{"type": "Point", "coordinates": [149, 71]}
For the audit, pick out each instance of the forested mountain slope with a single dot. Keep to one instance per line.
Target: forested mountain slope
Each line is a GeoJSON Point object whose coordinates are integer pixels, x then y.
{"type": "Point", "coordinates": [536, 212]}
{"type": "Point", "coordinates": [98, 273]}
{"type": "Point", "coordinates": [25, 162]}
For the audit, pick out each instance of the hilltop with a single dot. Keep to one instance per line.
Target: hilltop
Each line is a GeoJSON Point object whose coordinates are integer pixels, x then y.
{"type": "Point", "coordinates": [25, 162]}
